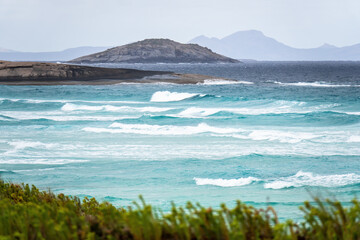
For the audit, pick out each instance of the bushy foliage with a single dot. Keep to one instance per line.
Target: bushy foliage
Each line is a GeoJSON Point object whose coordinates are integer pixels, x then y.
{"type": "Point", "coordinates": [27, 213]}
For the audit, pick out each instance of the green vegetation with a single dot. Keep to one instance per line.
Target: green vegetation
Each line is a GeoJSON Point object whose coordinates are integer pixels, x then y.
{"type": "Point", "coordinates": [27, 213]}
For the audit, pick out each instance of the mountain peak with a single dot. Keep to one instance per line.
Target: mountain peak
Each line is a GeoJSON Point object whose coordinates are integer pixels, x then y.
{"type": "Point", "coordinates": [156, 41]}
{"type": "Point", "coordinates": [247, 33]}
{"type": "Point", "coordinates": [253, 44]}
{"type": "Point", "coordinates": [326, 45]}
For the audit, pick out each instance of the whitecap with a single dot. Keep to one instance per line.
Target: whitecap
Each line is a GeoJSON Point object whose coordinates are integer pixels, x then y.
{"type": "Point", "coordinates": [196, 112]}
{"type": "Point", "coordinates": [354, 138]}
{"type": "Point", "coordinates": [222, 82]}
{"type": "Point", "coordinates": [41, 161]}
{"type": "Point", "coordinates": [278, 107]}
{"type": "Point", "coordinates": [161, 129]}
{"type": "Point", "coordinates": [18, 146]}
{"type": "Point", "coordinates": [226, 182]}
{"type": "Point", "coordinates": [68, 107]}
{"type": "Point", "coordinates": [274, 135]}
{"type": "Point", "coordinates": [33, 170]}
{"type": "Point", "coordinates": [301, 179]}
{"type": "Point", "coordinates": [30, 144]}
{"type": "Point", "coordinates": [315, 84]}
{"type": "Point", "coordinates": [166, 96]}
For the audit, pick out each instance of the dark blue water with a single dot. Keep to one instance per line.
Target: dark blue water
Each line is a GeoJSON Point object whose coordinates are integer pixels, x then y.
{"type": "Point", "coordinates": [285, 132]}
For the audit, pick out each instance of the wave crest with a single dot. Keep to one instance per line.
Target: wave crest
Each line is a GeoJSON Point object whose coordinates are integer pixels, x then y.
{"type": "Point", "coordinates": [166, 96]}
{"type": "Point", "coordinates": [301, 179]}
{"type": "Point", "coordinates": [68, 107]}
{"type": "Point", "coordinates": [161, 129]}
{"type": "Point", "coordinates": [315, 84]}
{"type": "Point", "coordinates": [222, 82]}
{"type": "Point", "coordinates": [225, 182]}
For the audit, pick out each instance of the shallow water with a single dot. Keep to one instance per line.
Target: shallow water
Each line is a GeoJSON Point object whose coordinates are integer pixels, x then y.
{"type": "Point", "coordinates": [285, 132]}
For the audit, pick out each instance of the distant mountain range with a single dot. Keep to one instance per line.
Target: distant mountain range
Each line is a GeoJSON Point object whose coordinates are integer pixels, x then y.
{"type": "Point", "coordinates": [255, 45]}
{"type": "Point", "coordinates": [252, 45]}
{"type": "Point", "coordinates": [2, 50]}
{"type": "Point", "coordinates": [66, 55]}
{"type": "Point", "coordinates": [155, 51]}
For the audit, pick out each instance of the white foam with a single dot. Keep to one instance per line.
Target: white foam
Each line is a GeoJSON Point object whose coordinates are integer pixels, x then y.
{"type": "Point", "coordinates": [29, 144]}
{"type": "Point", "coordinates": [166, 96]}
{"type": "Point", "coordinates": [279, 107]}
{"type": "Point", "coordinates": [67, 101]}
{"type": "Point", "coordinates": [110, 108]}
{"type": "Point", "coordinates": [275, 135]}
{"type": "Point", "coordinates": [83, 118]}
{"type": "Point", "coordinates": [222, 82]}
{"type": "Point", "coordinates": [291, 135]}
{"type": "Point", "coordinates": [354, 138]}
{"type": "Point", "coordinates": [225, 182]}
{"type": "Point", "coordinates": [41, 161]}
{"type": "Point", "coordinates": [34, 170]}
{"type": "Point", "coordinates": [315, 84]}
{"type": "Point", "coordinates": [59, 116]}
{"type": "Point", "coordinates": [351, 113]}
{"type": "Point", "coordinates": [196, 112]}
{"type": "Point", "coordinates": [161, 129]}
{"type": "Point", "coordinates": [301, 179]}
{"type": "Point", "coordinates": [18, 146]}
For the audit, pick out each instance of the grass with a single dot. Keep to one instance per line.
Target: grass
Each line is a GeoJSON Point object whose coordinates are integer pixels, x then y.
{"type": "Point", "coordinates": [28, 213]}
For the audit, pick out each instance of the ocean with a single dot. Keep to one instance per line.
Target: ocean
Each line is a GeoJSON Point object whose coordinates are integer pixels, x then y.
{"type": "Point", "coordinates": [286, 132]}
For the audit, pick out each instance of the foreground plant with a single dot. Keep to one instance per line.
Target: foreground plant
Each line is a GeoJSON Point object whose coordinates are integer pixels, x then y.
{"type": "Point", "coordinates": [27, 213]}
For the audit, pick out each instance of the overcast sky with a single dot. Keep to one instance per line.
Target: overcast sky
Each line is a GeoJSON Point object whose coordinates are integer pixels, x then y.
{"type": "Point", "coordinates": [48, 25]}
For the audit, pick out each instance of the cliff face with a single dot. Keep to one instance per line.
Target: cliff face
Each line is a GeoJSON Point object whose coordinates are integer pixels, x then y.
{"type": "Point", "coordinates": [156, 51]}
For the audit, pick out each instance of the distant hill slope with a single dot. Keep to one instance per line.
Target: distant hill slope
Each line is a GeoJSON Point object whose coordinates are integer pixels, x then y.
{"type": "Point", "coordinates": [255, 45]}
{"type": "Point", "coordinates": [65, 55]}
{"type": "Point", "coordinates": [155, 51]}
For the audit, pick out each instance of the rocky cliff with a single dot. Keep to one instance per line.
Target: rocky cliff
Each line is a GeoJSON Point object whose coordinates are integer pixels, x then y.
{"type": "Point", "coordinates": [156, 51]}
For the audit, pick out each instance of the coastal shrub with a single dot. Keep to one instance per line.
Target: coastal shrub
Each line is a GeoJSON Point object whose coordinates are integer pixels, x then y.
{"type": "Point", "coordinates": [28, 213]}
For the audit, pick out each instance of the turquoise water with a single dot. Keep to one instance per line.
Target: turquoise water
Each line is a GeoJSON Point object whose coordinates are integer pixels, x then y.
{"type": "Point", "coordinates": [284, 132]}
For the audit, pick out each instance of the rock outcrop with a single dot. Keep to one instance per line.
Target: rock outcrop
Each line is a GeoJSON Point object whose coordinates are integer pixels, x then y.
{"type": "Point", "coordinates": [155, 51]}
{"type": "Point", "coordinates": [37, 73]}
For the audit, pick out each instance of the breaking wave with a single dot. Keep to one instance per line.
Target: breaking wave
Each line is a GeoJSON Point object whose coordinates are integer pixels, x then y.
{"type": "Point", "coordinates": [110, 108]}
{"type": "Point", "coordinates": [354, 138]}
{"type": "Point", "coordinates": [161, 129]}
{"type": "Point", "coordinates": [46, 161]}
{"type": "Point", "coordinates": [282, 136]}
{"type": "Point", "coordinates": [65, 101]}
{"type": "Point", "coordinates": [222, 82]}
{"type": "Point", "coordinates": [315, 84]}
{"type": "Point", "coordinates": [277, 107]}
{"type": "Point", "coordinates": [29, 144]}
{"type": "Point", "coordinates": [301, 179]}
{"type": "Point", "coordinates": [225, 182]}
{"type": "Point", "coordinates": [166, 96]}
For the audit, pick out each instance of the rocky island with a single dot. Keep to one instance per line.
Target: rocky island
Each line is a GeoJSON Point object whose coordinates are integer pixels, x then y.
{"type": "Point", "coordinates": [37, 73]}
{"type": "Point", "coordinates": [156, 51]}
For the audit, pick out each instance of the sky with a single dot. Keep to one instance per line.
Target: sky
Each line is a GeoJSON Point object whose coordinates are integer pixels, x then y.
{"type": "Point", "coordinates": [53, 25]}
